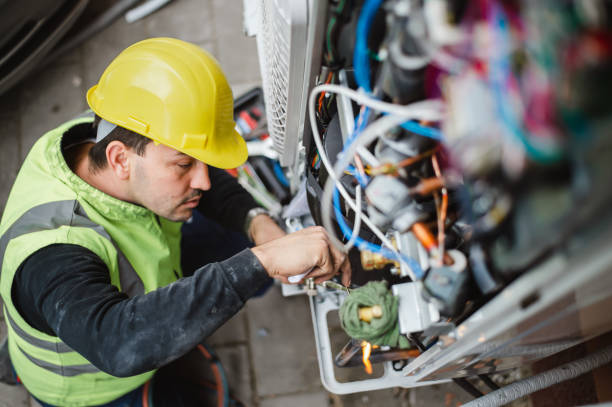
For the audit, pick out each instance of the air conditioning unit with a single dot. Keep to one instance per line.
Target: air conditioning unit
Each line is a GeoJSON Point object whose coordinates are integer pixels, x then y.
{"type": "Point", "coordinates": [288, 39]}
{"type": "Point", "coordinates": [473, 178]}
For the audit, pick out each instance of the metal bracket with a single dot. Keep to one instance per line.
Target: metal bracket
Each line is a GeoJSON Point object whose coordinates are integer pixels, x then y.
{"type": "Point", "coordinates": [414, 313]}
{"type": "Point", "coordinates": [320, 305]}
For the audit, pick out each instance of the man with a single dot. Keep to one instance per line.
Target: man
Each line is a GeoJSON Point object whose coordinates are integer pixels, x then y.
{"type": "Point", "coordinates": [91, 235]}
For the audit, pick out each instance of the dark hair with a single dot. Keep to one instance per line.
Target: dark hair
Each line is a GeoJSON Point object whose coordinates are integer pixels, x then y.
{"type": "Point", "coordinates": [132, 140]}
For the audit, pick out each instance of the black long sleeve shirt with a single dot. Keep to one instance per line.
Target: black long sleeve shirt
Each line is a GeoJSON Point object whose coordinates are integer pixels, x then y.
{"type": "Point", "coordinates": [226, 201]}
{"type": "Point", "coordinates": [64, 290]}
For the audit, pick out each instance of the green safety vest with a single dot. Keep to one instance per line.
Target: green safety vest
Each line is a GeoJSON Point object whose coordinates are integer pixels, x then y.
{"type": "Point", "coordinates": [51, 204]}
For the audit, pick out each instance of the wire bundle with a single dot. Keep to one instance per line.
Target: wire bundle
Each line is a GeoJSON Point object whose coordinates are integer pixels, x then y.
{"type": "Point", "coordinates": [383, 331]}
{"type": "Point", "coordinates": [430, 110]}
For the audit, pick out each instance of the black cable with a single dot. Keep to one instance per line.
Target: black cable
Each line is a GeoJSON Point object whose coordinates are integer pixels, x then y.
{"type": "Point", "coordinates": [468, 387]}
{"type": "Point", "coordinates": [461, 382]}
{"type": "Point", "coordinates": [487, 380]}
{"type": "Point", "coordinates": [416, 341]}
{"type": "Point", "coordinates": [101, 22]}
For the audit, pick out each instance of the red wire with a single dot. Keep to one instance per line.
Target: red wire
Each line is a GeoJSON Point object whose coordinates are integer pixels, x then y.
{"type": "Point", "coordinates": [217, 374]}
{"type": "Point", "coordinates": [145, 394]}
{"type": "Point", "coordinates": [328, 80]}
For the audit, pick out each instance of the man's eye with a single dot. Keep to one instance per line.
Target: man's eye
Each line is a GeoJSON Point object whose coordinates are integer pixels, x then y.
{"type": "Point", "coordinates": [188, 165]}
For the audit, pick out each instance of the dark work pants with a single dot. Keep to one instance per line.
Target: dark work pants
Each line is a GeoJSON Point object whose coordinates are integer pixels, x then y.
{"type": "Point", "coordinates": [205, 241]}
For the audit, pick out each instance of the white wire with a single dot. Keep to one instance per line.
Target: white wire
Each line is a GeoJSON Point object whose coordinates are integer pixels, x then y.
{"type": "Point", "coordinates": [357, 225]}
{"type": "Point", "coordinates": [443, 59]}
{"type": "Point", "coordinates": [370, 133]}
{"type": "Point", "coordinates": [426, 110]}
{"type": "Point", "coordinates": [430, 110]}
{"type": "Point", "coordinates": [368, 157]}
{"type": "Point", "coordinates": [348, 199]}
{"type": "Point", "coordinates": [330, 170]}
{"type": "Point", "coordinates": [407, 62]}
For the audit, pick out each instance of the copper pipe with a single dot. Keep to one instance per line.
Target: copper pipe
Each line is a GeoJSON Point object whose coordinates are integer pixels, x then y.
{"type": "Point", "coordinates": [391, 169]}
{"type": "Point", "coordinates": [443, 209]}
{"type": "Point", "coordinates": [427, 186]}
{"type": "Point", "coordinates": [411, 160]}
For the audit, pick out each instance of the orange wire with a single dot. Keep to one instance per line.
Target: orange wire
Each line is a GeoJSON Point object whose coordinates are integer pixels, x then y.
{"type": "Point", "coordinates": [328, 80]}
{"type": "Point", "coordinates": [145, 394]}
{"type": "Point", "coordinates": [359, 165]}
{"type": "Point", "coordinates": [392, 169]}
{"type": "Point", "coordinates": [424, 235]}
{"type": "Point", "coordinates": [217, 374]}
{"type": "Point", "coordinates": [443, 215]}
{"type": "Point", "coordinates": [443, 208]}
{"type": "Point", "coordinates": [411, 160]}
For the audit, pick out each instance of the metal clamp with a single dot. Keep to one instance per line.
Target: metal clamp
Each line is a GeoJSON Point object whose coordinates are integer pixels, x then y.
{"type": "Point", "coordinates": [320, 305]}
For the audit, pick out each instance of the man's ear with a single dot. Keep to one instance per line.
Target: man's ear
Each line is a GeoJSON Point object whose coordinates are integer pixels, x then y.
{"type": "Point", "coordinates": [118, 158]}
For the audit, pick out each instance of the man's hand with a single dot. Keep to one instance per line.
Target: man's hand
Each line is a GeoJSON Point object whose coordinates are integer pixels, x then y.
{"type": "Point", "coordinates": [299, 252]}
{"type": "Point", "coordinates": [264, 229]}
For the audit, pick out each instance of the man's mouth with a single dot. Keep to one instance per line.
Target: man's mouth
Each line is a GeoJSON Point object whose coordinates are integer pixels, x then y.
{"type": "Point", "coordinates": [192, 201]}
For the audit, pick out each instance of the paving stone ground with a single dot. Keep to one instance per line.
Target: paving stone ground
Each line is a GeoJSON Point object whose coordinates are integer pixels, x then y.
{"type": "Point", "coordinates": [268, 348]}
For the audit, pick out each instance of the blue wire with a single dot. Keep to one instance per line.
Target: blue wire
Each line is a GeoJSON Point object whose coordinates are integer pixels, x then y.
{"type": "Point", "coordinates": [361, 63]}
{"type": "Point", "coordinates": [358, 126]}
{"type": "Point", "coordinates": [361, 59]}
{"type": "Point", "coordinates": [360, 123]}
{"type": "Point", "coordinates": [421, 130]}
{"type": "Point", "coordinates": [362, 179]}
{"type": "Point", "coordinates": [411, 126]}
{"type": "Point", "coordinates": [278, 171]}
{"type": "Point", "coordinates": [365, 245]}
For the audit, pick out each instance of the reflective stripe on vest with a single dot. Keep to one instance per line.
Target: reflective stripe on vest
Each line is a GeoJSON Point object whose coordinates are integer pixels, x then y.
{"type": "Point", "coordinates": [66, 371]}
{"type": "Point", "coordinates": [50, 216]}
{"type": "Point", "coordinates": [59, 347]}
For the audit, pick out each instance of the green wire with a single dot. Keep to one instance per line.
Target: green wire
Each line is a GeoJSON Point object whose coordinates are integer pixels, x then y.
{"type": "Point", "coordinates": [383, 331]}
{"type": "Point", "coordinates": [330, 26]}
{"type": "Point", "coordinates": [374, 55]}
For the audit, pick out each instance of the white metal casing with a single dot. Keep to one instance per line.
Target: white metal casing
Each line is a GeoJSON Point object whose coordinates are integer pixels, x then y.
{"type": "Point", "coordinates": [288, 40]}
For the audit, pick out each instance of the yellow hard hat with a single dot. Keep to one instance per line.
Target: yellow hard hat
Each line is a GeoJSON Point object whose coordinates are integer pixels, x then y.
{"type": "Point", "coordinates": [175, 93]}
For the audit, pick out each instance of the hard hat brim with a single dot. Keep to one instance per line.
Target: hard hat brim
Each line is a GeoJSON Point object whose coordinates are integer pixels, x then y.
{"type": "Point", "coordinates": [231, 153]}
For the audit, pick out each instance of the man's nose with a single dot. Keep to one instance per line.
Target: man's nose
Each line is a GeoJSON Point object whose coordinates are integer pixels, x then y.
{"type": "Point", "coordinates": [200, 179]}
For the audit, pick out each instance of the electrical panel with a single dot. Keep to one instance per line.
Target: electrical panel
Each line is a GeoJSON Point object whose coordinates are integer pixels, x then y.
{"type": "Point", "coordinates": [459, 151]}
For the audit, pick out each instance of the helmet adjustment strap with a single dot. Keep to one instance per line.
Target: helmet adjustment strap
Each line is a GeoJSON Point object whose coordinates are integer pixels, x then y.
{"type": "Point", "coordinates": [104, 129]}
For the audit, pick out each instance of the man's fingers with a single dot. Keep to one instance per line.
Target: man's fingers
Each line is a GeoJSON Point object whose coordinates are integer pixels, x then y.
{"type": "Point", "coordinates": [309, 248]}
{"type": "Point", "coordinates": [321, 279]}
{"type": "Point", "coordinates": [312, 230]}
{"type": "Point", "coordinates": [338, 258]}
{"type": "Point", "coordinates": [319, 272]}
{"type": "Point", "coordinates": [330, 260]}
{"type": "Point", "coordinates": [346, 272]}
